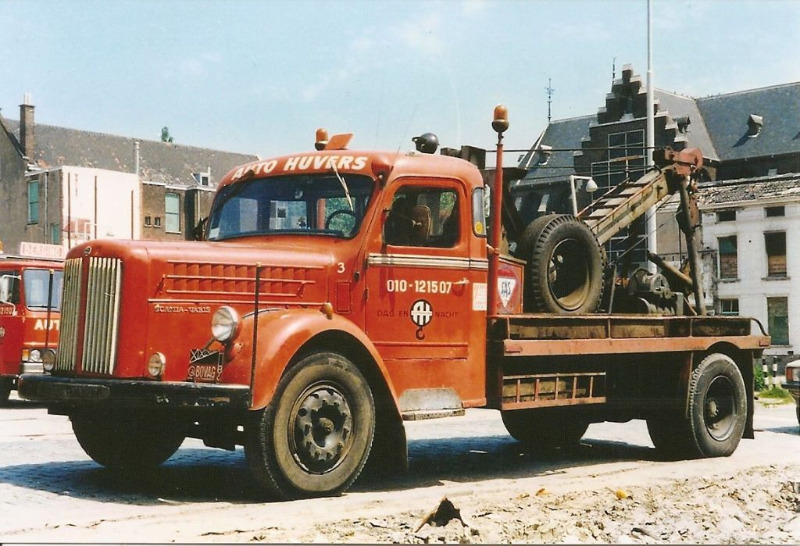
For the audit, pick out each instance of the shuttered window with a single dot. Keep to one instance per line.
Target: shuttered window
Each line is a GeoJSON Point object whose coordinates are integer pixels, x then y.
{"type": "Point", "coordinates": [775, 244]}
{"type": "Point", "coordinates": [778, 320]}
{"type": "Point", "coordinates": [728, 258]}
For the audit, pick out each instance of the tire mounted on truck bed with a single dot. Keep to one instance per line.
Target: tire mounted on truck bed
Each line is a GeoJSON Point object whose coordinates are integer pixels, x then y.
{"type": "Point", "coordinates": [565, 266]}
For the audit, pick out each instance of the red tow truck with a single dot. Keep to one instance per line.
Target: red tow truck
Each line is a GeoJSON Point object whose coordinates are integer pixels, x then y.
{"type": "Point", "coordinates": [338, 292]}
{"type": "Point", "coordinates": [30, 303]}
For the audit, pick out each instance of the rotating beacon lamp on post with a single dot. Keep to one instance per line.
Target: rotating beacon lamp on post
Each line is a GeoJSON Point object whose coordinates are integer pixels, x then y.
{"type": "Point", "coordinates": [500, 125]}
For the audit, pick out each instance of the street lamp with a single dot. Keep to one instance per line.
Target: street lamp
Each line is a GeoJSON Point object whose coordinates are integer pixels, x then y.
{"type": "Point", "coordinates": [591, 187]}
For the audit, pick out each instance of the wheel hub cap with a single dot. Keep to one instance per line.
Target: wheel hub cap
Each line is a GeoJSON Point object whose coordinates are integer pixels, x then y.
{"type": "Point", "coordinates": [321, 429]}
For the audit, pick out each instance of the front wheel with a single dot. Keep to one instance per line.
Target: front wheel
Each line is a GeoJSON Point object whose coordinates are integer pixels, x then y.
{"type": "Point", "coordinates": [127, 441]}
{"type": "Point", "coordinates": [315, 436]}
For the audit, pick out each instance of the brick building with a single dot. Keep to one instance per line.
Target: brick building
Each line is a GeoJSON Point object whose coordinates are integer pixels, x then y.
{"type": "Point", "coordinates": [64, 186]}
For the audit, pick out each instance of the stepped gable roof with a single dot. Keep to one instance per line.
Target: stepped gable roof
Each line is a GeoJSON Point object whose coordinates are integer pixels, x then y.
{"type": "Point", "coordinates": [169, 163]}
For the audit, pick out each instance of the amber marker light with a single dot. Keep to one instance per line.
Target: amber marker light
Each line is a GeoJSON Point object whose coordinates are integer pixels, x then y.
{"type": "Point", "coordinates": [500, 122]}
{"type": "Point", "coordinates": [322, 139]}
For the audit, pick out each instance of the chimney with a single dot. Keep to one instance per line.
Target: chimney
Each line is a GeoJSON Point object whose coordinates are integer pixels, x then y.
{"type": "Point", "coordinates": [27, 133]}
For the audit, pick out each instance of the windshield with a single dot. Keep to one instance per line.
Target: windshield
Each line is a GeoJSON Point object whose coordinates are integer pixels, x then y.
{"type": "Point", "coordinates": [326, 204]}
{"type": "Point", "coordinates": [37, 283]}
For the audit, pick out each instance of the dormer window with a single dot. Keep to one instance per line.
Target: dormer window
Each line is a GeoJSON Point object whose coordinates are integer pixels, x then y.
{"type": "Point", "coordinates": [754, 124]}
{"type": "Point", "coordinates": [202, 178]}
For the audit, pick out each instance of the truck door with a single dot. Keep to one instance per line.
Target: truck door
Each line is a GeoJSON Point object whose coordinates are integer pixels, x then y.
{"type": "Point", "coordinates": [10, 322]}
{"type": "Point", "coordinates": [421, 311]}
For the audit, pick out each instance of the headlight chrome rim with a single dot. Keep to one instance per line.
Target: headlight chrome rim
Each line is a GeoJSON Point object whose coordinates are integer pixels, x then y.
{"type": "Point", "coordinates": [49, 360]}
{"type": "Point", "coordinates": [225, 324]}
{"type": "Point", "coordinates": [156, 364]}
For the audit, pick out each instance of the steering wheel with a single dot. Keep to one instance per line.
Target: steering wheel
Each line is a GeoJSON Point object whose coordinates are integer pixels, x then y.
{"type": "Point", "coordinates": [336, 213]}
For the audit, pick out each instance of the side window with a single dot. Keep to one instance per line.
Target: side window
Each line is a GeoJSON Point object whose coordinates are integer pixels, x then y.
{"type": "Point", "coordinates": [423, 217]}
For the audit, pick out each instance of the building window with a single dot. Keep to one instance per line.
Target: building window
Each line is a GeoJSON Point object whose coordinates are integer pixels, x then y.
{"type": "Point", "coordinates": [157, 221]}
{"type": "Point", "coordinates": [778, 320]}
{"type": "Point", "coordinates": [729, 307]}
{"type": "Point", "coordinates": [726, 216]}
{"type": "Point", "coordinates": [55, 234]}
{"type": "Point", "coordinates": [775, 211]}
{"type": "Point", "coordinates": [172, 213]}
{"type": "Point", "coordinates": [202, 178]}
{"type": "Point", "coordinates": [33, 202]}
{"type": "Point", "coordinates": [148, 221]}
{"type": "Point", "coordinates": [728, 259]}
{"type": "Point", "coordinates": [775, 244]}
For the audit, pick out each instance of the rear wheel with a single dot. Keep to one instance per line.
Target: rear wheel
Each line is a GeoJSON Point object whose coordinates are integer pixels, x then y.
{"type": "Point", "coordinates": [565, 266]}
{"type": "Point", "coordinates": [717, 406]}
{"type": "Point", "coordinates": [315, 436]}
{"type": "Point", "coordinates": [717, 413]}
{"type": "Point", "coordinates": [541, 431]}
{"type": "Point", "coordinates": [128, 441]}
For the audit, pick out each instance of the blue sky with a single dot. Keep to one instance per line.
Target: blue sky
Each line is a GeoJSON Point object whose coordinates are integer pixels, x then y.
{"type": "Point", "coordinates": [260, 76]}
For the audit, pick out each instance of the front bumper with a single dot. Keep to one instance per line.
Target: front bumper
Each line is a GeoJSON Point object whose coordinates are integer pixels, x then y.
{"type": "Point", "coordinates": [71, 391]}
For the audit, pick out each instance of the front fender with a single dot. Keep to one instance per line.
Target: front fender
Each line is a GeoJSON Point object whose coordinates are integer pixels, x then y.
{"type": "Point", "coordinates": [283, 333]}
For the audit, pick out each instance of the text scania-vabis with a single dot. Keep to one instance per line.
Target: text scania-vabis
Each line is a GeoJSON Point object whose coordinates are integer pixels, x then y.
{"type": "Point", "coordinates": [340, 292]}
{"type": "Point", "coordinates": [30, 301]}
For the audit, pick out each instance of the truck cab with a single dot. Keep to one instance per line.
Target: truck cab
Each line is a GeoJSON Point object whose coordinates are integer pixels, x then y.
{"type": "Point", "coordinates": [30, 304]}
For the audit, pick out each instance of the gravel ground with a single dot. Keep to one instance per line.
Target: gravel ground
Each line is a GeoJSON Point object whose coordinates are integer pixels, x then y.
{"type": "Point", "coordinates": [752, 507]}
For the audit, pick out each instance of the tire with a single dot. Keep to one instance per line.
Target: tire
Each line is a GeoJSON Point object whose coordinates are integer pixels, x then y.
{"type": "Point", "coordinates": [565, 266]}
{"type": "Point", "coordinates": [717, 414]}
{"type": "Point", "coordinates": [540, 431]}
{"type": "Point", "coordinates": [670, 436]}
{"type": "Point", "coordinates": [128, 441]}
{"type": "Point", "coordinates": [717, 406]}
{"type": "Point", "coordinates": [315, 436]}
{"type": "Point", "coordinates": [6, 386]}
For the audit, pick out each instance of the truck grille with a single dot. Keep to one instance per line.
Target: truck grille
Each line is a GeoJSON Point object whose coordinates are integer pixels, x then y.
{"type": "Point", "coordinates": [101, 318]}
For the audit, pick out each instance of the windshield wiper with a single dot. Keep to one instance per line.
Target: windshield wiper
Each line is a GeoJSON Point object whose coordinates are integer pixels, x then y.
{"type": "Point", "coordinates": [344, 186]}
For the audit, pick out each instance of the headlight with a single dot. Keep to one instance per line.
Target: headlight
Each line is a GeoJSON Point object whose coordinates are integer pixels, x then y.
{"type": "Point", "coordinates": [31, 355]}
{"type": "Point", "coordinates": [49, 360]}
{"type": "Point", "coordinates": [225, 324]}
{"type": "Point", "coordinates": [156, 364]}
{"type": "Point", "coordinates": [792, 373]}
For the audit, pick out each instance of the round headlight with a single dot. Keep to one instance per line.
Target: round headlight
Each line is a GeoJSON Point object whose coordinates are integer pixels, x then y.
{"type": "Point", "coordinates": [49, 360]}
{"type": "Point", "coordinates": [35, 355]}
{"type": "Point", "coordinates": [156, 364]}
{"type": "Point", "coordinates": [225, 324]}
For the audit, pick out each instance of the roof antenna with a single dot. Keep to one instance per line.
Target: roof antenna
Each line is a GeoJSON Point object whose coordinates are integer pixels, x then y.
{"type": "Point", "coordinates": [613, 70]}
{"type": "Point", "coordinates": [550, 92]}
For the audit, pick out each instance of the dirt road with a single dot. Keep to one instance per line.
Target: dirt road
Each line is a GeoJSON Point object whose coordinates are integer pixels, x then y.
{"type": "Point", "coordinates": [612, 489]}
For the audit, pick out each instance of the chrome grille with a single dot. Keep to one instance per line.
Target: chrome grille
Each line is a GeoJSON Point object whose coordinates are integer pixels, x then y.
{"type": "Point", "coordinates": [70, 306]}
{"type": "Point", "coordinates": [102, 315]}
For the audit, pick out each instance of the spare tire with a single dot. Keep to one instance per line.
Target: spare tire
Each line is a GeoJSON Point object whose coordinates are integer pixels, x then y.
{"type": "Point", "coordinates": [565, 266]}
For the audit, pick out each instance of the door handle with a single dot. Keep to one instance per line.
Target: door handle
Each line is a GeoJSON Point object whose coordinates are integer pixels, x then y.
{"type": "Point", "coordinates": [462, 282]}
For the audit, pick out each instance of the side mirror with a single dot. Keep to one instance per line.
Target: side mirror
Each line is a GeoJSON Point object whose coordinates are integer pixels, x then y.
{"type": "Point", "coordinates": [199, 231]}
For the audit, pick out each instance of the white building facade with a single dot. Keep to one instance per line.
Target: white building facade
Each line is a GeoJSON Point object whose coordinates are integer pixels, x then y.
{"type": "Point", "coordinates": [754, 227]}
